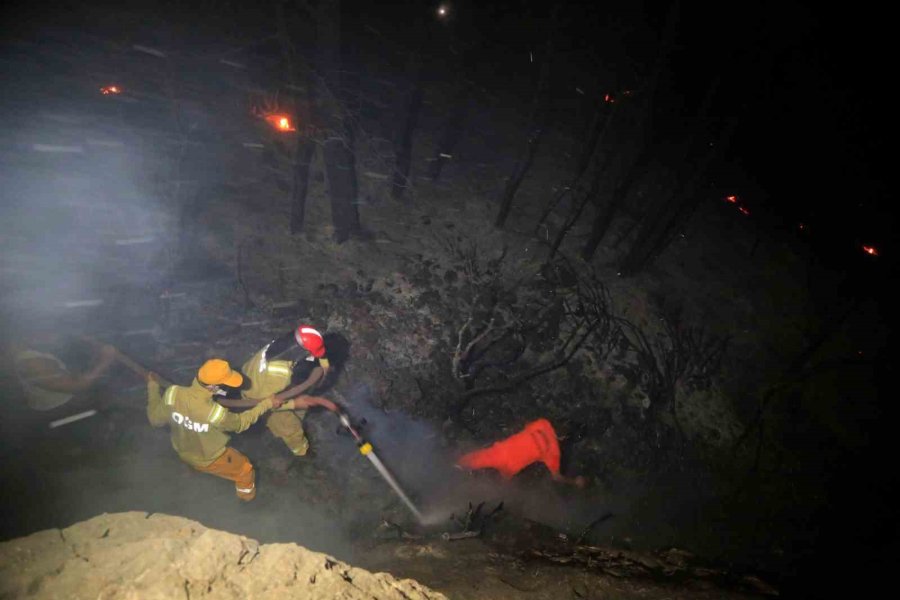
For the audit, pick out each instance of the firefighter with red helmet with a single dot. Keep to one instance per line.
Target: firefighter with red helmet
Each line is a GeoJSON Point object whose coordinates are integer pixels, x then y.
{"type": "Point", "coordinates": [271, 371]}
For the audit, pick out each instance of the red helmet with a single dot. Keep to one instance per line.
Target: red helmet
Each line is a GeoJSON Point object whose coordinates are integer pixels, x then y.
{"type": "Point", "coordinates": [311, 340]}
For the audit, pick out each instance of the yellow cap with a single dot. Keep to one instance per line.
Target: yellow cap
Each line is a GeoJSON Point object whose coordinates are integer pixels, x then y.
{"type": "Point", "coordinates": [216, 371]}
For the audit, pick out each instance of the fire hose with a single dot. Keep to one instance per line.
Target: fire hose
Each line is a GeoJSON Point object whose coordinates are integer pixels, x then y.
{"type": "Point", "coordinates": [129, 362]}
{"type": "Point", "coordinates": [125, 360]}
{"type": "Point", "coordinates": [137, 368]}
{"type": "Point", "coordinates": [366, 449]}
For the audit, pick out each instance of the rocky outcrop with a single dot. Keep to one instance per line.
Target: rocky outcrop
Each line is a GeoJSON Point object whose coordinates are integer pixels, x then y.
{"type": "Point", "coordinates": [140, 555]}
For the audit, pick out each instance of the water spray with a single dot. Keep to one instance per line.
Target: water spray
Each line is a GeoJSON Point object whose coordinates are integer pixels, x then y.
{"type": "Point", "coordinates": [365, 448]}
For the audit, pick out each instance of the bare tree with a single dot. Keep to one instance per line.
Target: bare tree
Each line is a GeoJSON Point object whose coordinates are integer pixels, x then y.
{"type": "Point", "coordinates": [411, 103]}
{"type": "Point", "coordinates": [656, 230]}
{"type": "Point", "coordinates": [451, 130]}
{"type": "Point", "coordinates": [338, 146]}
{"type": "Point", "coordinates": [305, 147]}
{"type": "Point", "coordinates": [603, 117]}
{"type": "Point", "coordinates": [535, 128]}
{"type": "Point", "coordinates": [608, 210]}
{"type": "Point", "coordinates": [635, 146]}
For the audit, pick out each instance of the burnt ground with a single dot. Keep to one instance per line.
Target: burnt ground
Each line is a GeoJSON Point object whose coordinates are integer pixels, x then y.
{"type": "Point", "coordinates": [783, 501]}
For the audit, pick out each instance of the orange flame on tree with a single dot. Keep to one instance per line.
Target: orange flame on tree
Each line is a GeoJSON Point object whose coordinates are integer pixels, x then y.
{"type": "Point", "coordinates": [280, 122]}
{"type": "Point", "coordinates": [871, 250]}
{"type": "Point", "coordinates": [110, 90]}
{"type": "Point", "coordinates": [731, 199]}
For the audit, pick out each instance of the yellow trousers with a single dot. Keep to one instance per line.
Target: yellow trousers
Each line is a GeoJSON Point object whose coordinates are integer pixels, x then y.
{"type": "Point", "coordinates": [288, 425]}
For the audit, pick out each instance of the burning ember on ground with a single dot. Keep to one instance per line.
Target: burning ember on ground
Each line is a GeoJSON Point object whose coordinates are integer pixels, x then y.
{"type": "Point", "coordinates": [609, 98]}
{"type": "Point", "coordinates": [733, 200]}
{"type": "Point", "coordinates": [871, 250]}
{"type": "Point", "coordinates": [110, 90]}
{"type": "Point", "coordinates": [280, 122]}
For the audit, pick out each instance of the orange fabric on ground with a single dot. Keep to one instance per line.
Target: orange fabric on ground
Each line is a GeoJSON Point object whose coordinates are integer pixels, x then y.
{"type": "Point", "coordinates": [535, 443]}
{"type": "Point", "coordinates": [234, 466]}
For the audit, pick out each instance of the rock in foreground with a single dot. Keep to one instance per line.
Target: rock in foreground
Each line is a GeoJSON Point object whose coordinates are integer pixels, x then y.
{"type": "Point", "coordinates": [136, 555]}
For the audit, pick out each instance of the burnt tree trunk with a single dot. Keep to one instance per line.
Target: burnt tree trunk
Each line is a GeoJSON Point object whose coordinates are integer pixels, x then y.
{"type": "Point", "coordinates": [605, 214]}
{"type": "Point", "coordinates": [454, 124]}
{"type": "Point", "coordinates": [601, 123]}
{"type": "Point", "coordinates": [589, 196]}
{"type": "Point", "coordinates": [451, 131]}
{"type": "Point", "coordinates": [305, 148]}
{"type": "Point", "coordinates": [655, 234]}
{"type": "Point", "coordinates": [338, 147]}
{"type": "Point", "coordinates": [520, 169]}
{"type": "Point", "coordinates": [535, 128]}
{"type": "Point", "coordinates": [303, 155]}
{"type": "Point", "coordinates": [659, 229]}
{"type": "Point", "coordinates": [638, 153]}
{"type": "Point", "coordinates": [412, 103]}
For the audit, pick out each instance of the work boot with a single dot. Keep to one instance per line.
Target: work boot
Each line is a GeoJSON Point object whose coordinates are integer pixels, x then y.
{"type": "Point", "coordinates": [300, 448]}
{"type": "Point", "coordinates": [244, 496]}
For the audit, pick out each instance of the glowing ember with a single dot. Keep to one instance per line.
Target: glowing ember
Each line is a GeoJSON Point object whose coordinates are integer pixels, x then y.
{"type": "Point", "coordinates": [281, 122]}
{"type": "Point", "coordinates": [110, 90]}
{"type": "Point", "coordinates": [870, 250]}
{"type": "Point", "coordinates": [731, 199]}
{"type": "Point", "coordinates": [744, 210]}
{"type": "Point", "coordinates": [609, 98]}
{"type": "Point", "coordinates": [802, 226]}
{"type": "Point", "coordinates": [442, 11]}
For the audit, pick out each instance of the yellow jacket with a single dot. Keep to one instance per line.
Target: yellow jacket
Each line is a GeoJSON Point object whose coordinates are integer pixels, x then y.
{"type": "Point", "coordinates": [198, 424]}
{"type": "Point", "coordinates": [266, 377]}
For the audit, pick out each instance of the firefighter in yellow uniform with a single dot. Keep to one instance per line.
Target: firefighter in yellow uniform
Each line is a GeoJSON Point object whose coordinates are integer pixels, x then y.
{"type": "Point", "coordinates": [200, 426]}
{"type": "Point", "coordinates": [268, 375]}
{"type": "Point", "coordinates": [275, 377]}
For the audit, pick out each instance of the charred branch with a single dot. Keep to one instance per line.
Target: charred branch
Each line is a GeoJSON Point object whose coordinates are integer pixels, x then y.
{"type": "Point", "coordinates": [678, 355]}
